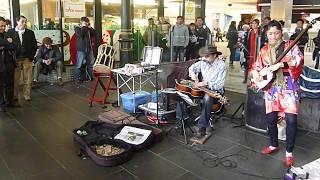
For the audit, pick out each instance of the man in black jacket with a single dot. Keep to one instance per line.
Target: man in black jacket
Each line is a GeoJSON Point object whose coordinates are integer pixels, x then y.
{"type": "Point", "coordinates": [7, 63]}
{"type": "Point", "coordinates": [203, 33]}
{"type": "Point", "coordinates": [304, 39]}
{"type": "Point", "coordinates": [27, 47]}
{"type": "Point", "coordinates": [85, 47]}
{"type": "Point", "coordinates": [263, 39]}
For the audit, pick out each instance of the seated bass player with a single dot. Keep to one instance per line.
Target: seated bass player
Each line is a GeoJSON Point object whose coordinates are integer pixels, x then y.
{"type": "Point", "coordinates": [213, 71]}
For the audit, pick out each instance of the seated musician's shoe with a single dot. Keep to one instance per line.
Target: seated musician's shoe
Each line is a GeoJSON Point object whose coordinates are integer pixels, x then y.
{"type": "Point", "coordinates": [13, 104]}
{"type": "Point", "coordinates": [2, 109]}
{"type": "Point", "coordinates": [60, 82]}
{"type": "Point", "coordinates": [202, 131]}
{"type": "Point", "coordinates": [268, 150]}
{"type": "Point", "coordinates": [289, 161]}
{"type": "Point", "coordinates": [27, 98]}
{"type": "Point", "coordinates": [199, 136]}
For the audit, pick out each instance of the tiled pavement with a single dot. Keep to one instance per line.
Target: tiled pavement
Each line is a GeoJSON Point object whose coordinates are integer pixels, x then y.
{"type": "Point", "coordinates": [36, 143]}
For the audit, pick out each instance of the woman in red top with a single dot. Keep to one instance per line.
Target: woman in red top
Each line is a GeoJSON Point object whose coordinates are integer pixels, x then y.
{"type": "Point", "coordinates": [252, 46]}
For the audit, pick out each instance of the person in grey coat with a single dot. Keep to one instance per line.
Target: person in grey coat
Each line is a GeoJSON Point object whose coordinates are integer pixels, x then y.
{"type": "Point", "coordinates": [179, 39]}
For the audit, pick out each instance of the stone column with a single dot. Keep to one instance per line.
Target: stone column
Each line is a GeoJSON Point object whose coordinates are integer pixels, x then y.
{"type": "Point", "coordinates": [282, 10]}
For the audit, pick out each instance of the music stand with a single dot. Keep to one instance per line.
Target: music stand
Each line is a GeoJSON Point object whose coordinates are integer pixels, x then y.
{"type": "Point", "coordinates": [184, 101]}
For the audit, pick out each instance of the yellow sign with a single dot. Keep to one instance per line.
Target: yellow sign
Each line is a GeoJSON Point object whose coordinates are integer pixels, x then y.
{"type": "Point", "coordinates": [74, 8]}
{"type": "Point", "coordinates": [190, 7]}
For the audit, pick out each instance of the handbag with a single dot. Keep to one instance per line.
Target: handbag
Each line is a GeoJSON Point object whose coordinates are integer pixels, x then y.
{"type": "Point", "coordinates": [237, 55]}
{"type": "Point", "coordinates": [282, 128]}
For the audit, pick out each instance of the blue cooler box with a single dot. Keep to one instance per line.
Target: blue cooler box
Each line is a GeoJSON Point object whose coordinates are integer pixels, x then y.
{"type": "Point", "coordinates": [141, 97]}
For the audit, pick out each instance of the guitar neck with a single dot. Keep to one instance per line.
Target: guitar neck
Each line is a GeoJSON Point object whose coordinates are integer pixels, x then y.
{"type": "Point", "coordinates": [211, 93]}
{"type": "Point", "coordinates": [294, 42]}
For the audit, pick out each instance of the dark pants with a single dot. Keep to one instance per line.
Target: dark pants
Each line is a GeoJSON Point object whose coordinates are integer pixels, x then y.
{"type": "Point", "coordinates": [246, 70]}
{"type": "Point", "coordinates": [191, 52]}
{"type": "Point", "coordinates": [206, 110]}
{"type": "Point", "coordinates": [7, 85]}
{"type": "Point", "coordinates": [317, 61]}
{"type": "Point", "coordinates": [178, 51]}
{"type": "Point", "coordinates": [89, 61]}
{"type": "Point", "coordinates": [291, 129]}
{"type": "Point", "coordinates": [302, 49]}
{"type": "Point", "coordinates": [232, 55]}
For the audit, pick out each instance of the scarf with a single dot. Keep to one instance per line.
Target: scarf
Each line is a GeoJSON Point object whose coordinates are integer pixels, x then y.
{"type": "Point", "coordinates": [279, 80]}
{"type": "Point", "coordinates": [20, 33]}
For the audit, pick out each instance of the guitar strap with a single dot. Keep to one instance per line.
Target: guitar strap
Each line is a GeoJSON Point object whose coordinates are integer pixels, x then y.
{"type": "Point", "coordinates": [280, 49]}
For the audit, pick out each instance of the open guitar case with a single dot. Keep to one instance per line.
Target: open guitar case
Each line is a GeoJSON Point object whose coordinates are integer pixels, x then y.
{"type": "Point", "coordinates": [96, 133]}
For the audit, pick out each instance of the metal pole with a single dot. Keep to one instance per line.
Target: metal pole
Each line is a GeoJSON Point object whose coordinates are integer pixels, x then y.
{"type": "Point", "coordinates": [97, 21]}
{"type": "Point", "coordinates": [126, 37]}
{"type": "Point", "coordinates": [61, 28]}
{"type": "Point", "coordinates": [15, 4]}
{"type": "Point", "coordinates": [183, 9]}
{"type": "Point", "coordinates": [160, 8]}
{"type": "Point", "coordinates": [203, 9]}
{"type": "Point", "coordinates": [40, 16]}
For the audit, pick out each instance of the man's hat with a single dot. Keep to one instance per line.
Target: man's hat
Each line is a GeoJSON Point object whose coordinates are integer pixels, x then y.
{"type": "Point", "coordinates": [209, 50]}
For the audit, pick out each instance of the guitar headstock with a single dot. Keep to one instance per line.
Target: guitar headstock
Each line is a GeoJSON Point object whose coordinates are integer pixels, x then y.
{"type": "Point", "coordinates": [224, 100]}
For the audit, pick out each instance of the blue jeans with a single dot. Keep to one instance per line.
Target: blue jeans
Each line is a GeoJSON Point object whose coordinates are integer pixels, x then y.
{"type": "Point", "coordinates": [291, 129]}
{"type": "Point", "coordinates": [81, 56]}
{"type": "Point", "coordinates": [206, 111]}
{"type": "Point", "coordinates": [178, 51]}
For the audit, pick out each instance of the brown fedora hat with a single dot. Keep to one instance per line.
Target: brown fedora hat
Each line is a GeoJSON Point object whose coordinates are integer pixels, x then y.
{"type": "Point", "coordinates": [209, 50]}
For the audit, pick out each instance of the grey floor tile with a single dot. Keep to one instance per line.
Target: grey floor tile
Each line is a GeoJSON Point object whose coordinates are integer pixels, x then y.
{"type": "Point", "coordinates": [27, 160]}
{"type": "Point", "coordinates": [217, 144]}
{"type": "Point", "coordinates": [4, 171]}
{"type": "Point", "coordinates": [11, 135]}
{"type": "Point", "coordinates": [188, 176]}
{"type": "Point", "coordinates": [314, 134]}
{"type": "Point", "coordinates": [166, 144]}
{"type": "Point", "coordinates": [79, 168]}
{"type": "Point", "coordinates": [308, 142]}
{"type": "Point", "coordinates": [121, 175]}
{"type": "Point", "coordinates": [53, 174]}
{"type": "Point", "coordinates": [147, 165]}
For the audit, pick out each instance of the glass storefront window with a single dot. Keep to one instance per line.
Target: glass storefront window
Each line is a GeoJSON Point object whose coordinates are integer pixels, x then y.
{"type": "Point", "coordinates": [5, 9]}
{"type": "Point", "coordinates": [172, 9]}
{"type": "Point", "coordinates": [29, 9]}
{"type": "Point", "coordinates": [192, 10]}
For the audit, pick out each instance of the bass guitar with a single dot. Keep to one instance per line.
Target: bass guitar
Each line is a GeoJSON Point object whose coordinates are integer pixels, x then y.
{"type": "Point", "coordinates": [187, 86]}
{"type": "Point", "coordinates": [267, 75]}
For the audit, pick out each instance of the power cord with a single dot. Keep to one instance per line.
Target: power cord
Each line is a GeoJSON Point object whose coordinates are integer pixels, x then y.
{"type": "Point", "coordinates": [211, 159]}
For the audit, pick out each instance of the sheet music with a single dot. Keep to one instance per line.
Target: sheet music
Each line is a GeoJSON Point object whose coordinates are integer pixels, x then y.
{"type": "Point", "coordinates": [152, 55]}
{"type": "Point", "coordinates": [133, 135]}
{"type": "Point", "coordinates": [156, 56]}
{"type": "Point", "coordinates": [187, 99]}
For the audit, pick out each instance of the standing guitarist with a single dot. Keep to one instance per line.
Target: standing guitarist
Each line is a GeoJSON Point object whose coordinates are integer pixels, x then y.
{"type": "Point", "coordinates": [213, 71]}
{"type": "Point", "coordinates": [281, 94]}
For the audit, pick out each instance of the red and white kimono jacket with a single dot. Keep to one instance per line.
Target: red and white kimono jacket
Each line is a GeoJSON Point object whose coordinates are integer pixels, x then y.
{"type": "Point", "coordinates": [285, 98]}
